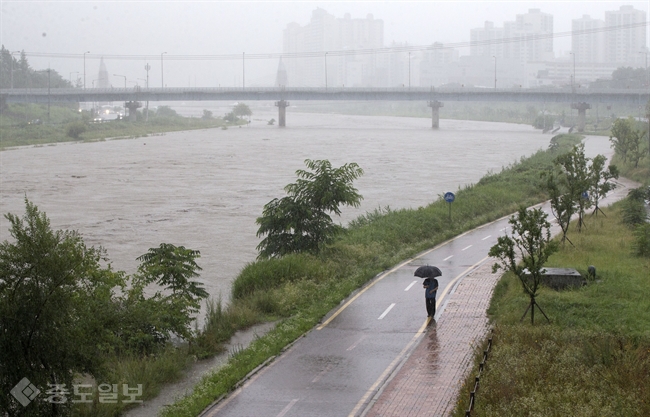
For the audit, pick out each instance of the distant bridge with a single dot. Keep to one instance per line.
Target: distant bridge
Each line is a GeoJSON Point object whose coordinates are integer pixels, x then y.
{"type": "Point", "coordinates": [579, 98]}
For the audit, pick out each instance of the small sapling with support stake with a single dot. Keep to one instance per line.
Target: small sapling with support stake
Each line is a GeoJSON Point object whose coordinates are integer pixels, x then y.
{"type": "Point", "coordinates": [531, 243]}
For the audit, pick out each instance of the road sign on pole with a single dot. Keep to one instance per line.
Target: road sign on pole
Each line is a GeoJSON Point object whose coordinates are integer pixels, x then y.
{"type": "Point", "coordinates": [449, 198]}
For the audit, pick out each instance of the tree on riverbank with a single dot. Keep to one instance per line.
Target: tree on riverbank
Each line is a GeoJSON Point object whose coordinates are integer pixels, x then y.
{"type": "Point", "coordinates": [65, 312]}
{"type": "Point", "coordinates": [18, 73]}
{"type": "Point", "coordinates": [301, 221]}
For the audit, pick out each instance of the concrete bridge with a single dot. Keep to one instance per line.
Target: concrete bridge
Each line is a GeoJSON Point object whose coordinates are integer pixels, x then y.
{"type": "Point", "coordinates": [579, 98]}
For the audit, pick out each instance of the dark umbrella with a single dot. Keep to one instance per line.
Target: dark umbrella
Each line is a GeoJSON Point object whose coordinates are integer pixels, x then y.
{"type": "Point", "coordinates": [428, 271]}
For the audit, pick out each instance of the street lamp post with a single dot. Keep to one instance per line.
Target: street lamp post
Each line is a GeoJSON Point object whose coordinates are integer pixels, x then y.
{"type": "Point", "coordinates": [87, 52]}
{"type": "Point", "coordinates": [647, 86]}
{"type": "Point", "coordinates": [573, 81]}
{"type": "Point", "coordinates": [147, 68]}
{"type": "Point", "coordinates": [162, 72]}
{"type": "Point", "coordinates": [123, 76]}
{"type": "Point", "coordinates": [325, 71]}
{"type": "Point", "coordinates": [409, 70]}
{"type": "Point", "coordinates": [495, 71]}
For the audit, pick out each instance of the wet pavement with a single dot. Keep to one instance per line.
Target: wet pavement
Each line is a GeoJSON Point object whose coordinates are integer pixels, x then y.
{"type": "Point", "coordinates": [377, 355]}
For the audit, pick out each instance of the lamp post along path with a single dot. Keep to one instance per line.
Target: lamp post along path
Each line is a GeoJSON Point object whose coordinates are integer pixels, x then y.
{"type": "Point", "coordinates": [87, 52]}
{"type": "Point", "coordinates": [162, 71]}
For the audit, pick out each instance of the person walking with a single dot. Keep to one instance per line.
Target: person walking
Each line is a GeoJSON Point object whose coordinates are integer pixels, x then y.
{"type": "Point", "coordinates": [430, 286]}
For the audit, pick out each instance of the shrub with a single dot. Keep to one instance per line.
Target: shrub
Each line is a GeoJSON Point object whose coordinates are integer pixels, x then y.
{"type": "Point", "coordinates": [642, 239]}
{"type": "Point", "coordinates": [166, 111]}
{"type": "Point", "coordinates": [75, 129]}
{"type": "Point", "coordinates": [634, 211]}
{"type": "Point", "coordinates": [271, 273]}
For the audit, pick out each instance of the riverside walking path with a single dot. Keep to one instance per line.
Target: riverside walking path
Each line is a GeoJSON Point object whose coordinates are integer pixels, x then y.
{"type": "Point", "coordinates": [378, 354]}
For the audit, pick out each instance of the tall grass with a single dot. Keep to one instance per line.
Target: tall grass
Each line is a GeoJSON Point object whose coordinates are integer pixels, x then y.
{"type": "Point", "coordinates": [593, 359]}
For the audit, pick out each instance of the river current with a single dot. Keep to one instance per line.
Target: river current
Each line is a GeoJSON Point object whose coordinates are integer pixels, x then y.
{"type": "Point", "coordinates": [204, 189]}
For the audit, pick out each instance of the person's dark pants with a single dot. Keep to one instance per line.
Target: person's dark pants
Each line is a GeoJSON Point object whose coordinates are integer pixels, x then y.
{"type": "Point", "coordinates": [431, 306]}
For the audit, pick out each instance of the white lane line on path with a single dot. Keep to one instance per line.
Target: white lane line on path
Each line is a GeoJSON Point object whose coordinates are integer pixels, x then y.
{"type": "Point", "coordinates": [467, 247]}
{"type": "Point", "coordinates": [488, 236]}
{"type": "Point", "coordinates": [409, 287]}
{"type": "Point", "coordinates": [355, 344]}
{"type": "Point", "coordinates": [388, 370]}
{"type": "Point", "coordinates": [390, 307]}
{"type": "Point", "coordinates": [287, 408]}
{"type": "Point", "coordinates": [448, 257]}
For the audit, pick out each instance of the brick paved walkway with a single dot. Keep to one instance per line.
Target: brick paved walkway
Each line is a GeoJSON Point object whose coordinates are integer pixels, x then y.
{"type": "Point", "coordinates": [427, 384]}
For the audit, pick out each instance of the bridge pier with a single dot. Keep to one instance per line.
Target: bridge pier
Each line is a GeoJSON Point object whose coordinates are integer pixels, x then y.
{"type": "Point", "coordinates": [133, 106]}
{"type": "Point", "coordinates": [282, 112]}
{"type": "Point", "coordinates": [435, 113]}
{"type": "Point", "coordinates": [582, 113]}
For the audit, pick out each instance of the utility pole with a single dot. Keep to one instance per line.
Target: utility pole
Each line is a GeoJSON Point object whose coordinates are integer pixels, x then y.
{"type": "Point", "coordinates": [409, 70]}
{"type": "Point", "coordinates": [495, 71]}
{"type": "Point", "coordinates": [162, 72]}
{"type": "Point", "coordinates": [48, 94]}
{"type": "Point", "coordinates": [243, 70]}
{"type": "Point", "coordinates": [11, 58]}
{"type": "Point", "coordinates": [146, 111]}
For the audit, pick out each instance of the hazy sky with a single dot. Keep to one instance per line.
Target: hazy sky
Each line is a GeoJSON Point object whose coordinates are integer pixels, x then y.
{"type": "Point", "coordinates": [139, 28]}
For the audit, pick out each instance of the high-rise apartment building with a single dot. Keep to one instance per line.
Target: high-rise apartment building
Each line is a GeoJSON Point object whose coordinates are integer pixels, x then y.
{"type": "Point", "coordinates": [529, 38]}
{"type": "Point", "coordinates": [588, 40]}
{"type": "Point", "coordinates": [315, 54]}
{"type": "Point", "coordinates": [486, 41]}
{"type": "Point", "coordinates": [434, 65]}
{"type": "Point", "coordinates": [624, 44]}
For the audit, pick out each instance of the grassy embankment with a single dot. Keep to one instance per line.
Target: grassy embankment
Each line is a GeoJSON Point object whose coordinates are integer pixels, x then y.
{"type": "Point", "coordinates": [17, 127]}
{"type": "Point", "coordinates": [300, 289]}
{"type": "Point", "coordinates": [593, 359]}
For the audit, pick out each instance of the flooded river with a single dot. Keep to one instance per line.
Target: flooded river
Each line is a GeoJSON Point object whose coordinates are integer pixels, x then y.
{"type": "Point", "coordinates": [204, 189]}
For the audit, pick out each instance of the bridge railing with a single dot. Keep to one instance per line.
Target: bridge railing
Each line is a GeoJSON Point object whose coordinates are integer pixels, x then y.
{"type": "Point", "coordinates": [320, 90]}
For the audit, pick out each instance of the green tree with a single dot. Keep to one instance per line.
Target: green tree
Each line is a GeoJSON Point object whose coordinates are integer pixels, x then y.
{"type": "Point", "coordinates": [301, 221]}
{"type": "Point", "coordinates": [172, 267]}
{"type": "Point", "coordinates": [626, 140]}
{"type": "Point", "coordinates": [56, 309]}
{"type": "Point", "coordinates": [531, 242]}
{"type": "Point", "coordinates": [166, 111]}
{"type": "Point", "coordinates": [600, 180]}
{"type": "Point", "coordinates": [241, 110]}
{"type": "Point", "coordinates": [566, 185]}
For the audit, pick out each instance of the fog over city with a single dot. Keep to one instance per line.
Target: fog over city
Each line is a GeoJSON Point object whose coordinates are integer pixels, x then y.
{"type": "Point", "coordinates": [130, 34]}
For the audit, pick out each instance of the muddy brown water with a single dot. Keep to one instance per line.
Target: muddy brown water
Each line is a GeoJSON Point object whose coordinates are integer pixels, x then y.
{"type": "Point", "coordinates": [204, 189]}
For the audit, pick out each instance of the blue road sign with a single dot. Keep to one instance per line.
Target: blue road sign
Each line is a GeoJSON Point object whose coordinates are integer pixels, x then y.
{"type": "Point", "coordinates": [449, 197]}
